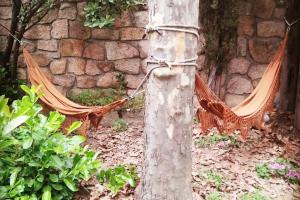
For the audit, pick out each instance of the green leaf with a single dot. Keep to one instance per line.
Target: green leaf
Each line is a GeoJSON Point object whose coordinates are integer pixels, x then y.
{"type": "Point", "coordinates": [14, 124]}
{"type": "Point", "coordinates": [74, 126]}
{"type": "Point", "coordinates": [46, 193]}
{"type": "Point", "coordinates": [56, 162]}
{"type": "Point", "coordinates": [53, 178]}
{"type": "Point", "coordinates": [70, 184]}
{"type": "Point", "coordinates": [13, 176]}
{"type": "Point", "coordinates": [27, 143]}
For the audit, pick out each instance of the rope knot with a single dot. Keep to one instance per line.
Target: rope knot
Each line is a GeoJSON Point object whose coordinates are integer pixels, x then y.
{"type": "Point", "coordinates": [150, 28]}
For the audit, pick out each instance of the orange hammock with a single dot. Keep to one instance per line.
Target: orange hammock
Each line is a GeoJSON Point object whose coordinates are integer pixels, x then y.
{"type": "Point", "coordinates": [249, 113]}
{"type": "Point", "coordinates": [53, 99]}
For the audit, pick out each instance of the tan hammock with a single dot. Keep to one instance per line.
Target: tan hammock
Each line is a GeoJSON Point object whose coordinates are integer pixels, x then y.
{"type": "Point", "coordinates": [249, 113]}
{"type": "Point", "coordinates": [54, 100]}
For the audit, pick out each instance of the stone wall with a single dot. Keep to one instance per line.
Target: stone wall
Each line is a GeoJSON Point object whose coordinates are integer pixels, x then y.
{"type": "Point", "coordinates": [74, 56]}
{"type": "Point", "coordinates": [261, 28]}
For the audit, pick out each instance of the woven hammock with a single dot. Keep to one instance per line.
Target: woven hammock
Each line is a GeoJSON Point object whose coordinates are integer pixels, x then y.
{"type": "Point", "coordinates": [250, 112]}
{"type": "Point", "coordinates": [54, 100]}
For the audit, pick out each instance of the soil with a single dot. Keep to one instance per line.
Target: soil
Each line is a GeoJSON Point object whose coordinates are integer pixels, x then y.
{"type": "Point", "coordinates": [235, 164]}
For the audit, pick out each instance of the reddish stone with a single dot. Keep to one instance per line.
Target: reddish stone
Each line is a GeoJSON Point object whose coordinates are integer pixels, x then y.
{"type": "Point", "coordinates": [242, 46]}
{"type": "Point", "coordinates": [66, 80]}
{"type": "Point", "coordinates": [279, 13]}
{"type": "Point", "coordinates": [86, 82]}
{"type": "Point", "coordinates": [5, 2]}
{"type": "Point", "coordinates": [262, 50]}
{"type": "Point", "coordinates": [5, 12]}
{"type": "Point", "coordinates": [79, 31]}
{"type": "Point", "coordinates": [5, 23]}
{"type": "Point", "coordinates": [50, 55]}
{"type": "Point", "coordinates": [256, 71]}
{"type": "Point", "coordinates": [133, 81]}
{"type": "Point", "coordinates": [22, 73]}
{"type": "Point", "coordinates": [105, 66]}
{"type": "Point", "coordinates": [264, 8]}
{"type": "Point", "coordinates": [239, 85]}
{"type": "Point", "coordinates": [129, 66]}
{"type": "Point", "coordinates": [80, 8]}
{"type": "Point", "coordinates": [132, 33]}
{"type": "Point", "coordinates": [107, 80]}
{"type": "Point", "coordinates": [47, 73]}
{"type": "Point", "coordinates": [270, 29]}
{"type": "Point", "coordinates": [245, 8]}
{"type": "Point", "coordinates": [124, 21]}
{"type": "Point", "coordinates": [246, 25]}
{"type": "Point", "coordinates": [76, 66]}
{"type": "Point", "coordinates": [92, 68]}
{"type": "Point", "coordinates": [50, 16]}
{"type": "Point", "coordinates": [105, 34]}
{"type": "Point", "coordinates": [143, 48]}
{"type": "Point", "coordinates": [3, 42]}
{"type": "Point", "coordinates": [238, 65]}
{"type": "Point", "coordinates": [117, 50]}
{"type": "Point", "coordinates": [60, 29]}
{"type": "Point", "coordinates": [67, 11]}
{"type": "Point", "coordinates": [141, 18]}
{"type": "Point", "coordinates": [233, 99]}
{"type": "Point", "coordinates": [41, 59]}
{"type": "Point", "coordinates": [47, 45]}
{"type": "Point", "coordinates": [38, 32]}
{"type": "Point", "coordinates": [71, 47]}
{"type": "Point", "coordinates": [94, 51]}
{"type": "Point", "coordinates": [58, 66]}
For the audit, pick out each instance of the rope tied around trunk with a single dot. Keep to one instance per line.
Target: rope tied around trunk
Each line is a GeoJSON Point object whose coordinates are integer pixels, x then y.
{"type": "Point", "coordinates": [175, 28]}
{"type": "Point", "coordinates": [163, 62]}
{"type": "Point", "coordinates": [291, 24]}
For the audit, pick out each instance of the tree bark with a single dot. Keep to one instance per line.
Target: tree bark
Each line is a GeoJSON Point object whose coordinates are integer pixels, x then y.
{"type": "Point", "coordinates": [169, 107]}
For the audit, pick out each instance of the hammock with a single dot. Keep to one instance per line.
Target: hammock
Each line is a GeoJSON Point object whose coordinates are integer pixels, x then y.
{"type": "Point", "coordinates": [250, 112]}
{"type": "Point", "coordinates": [53, 99]}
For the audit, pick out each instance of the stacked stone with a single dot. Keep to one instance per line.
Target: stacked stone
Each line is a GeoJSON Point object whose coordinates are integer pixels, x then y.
{"type": "Point", "coordinates": [261, 28]}
{"type": "Point", "coordinates": [75, 56]}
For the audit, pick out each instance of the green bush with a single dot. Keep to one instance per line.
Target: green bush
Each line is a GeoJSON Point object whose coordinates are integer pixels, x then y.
{"type": "Point", "coordinates": [120, 125]}
{"type": "Point", "coordinates": [10, 88]}
{"type": "Point", "coordinates": [263, 171]}
{"type": "Point", "coordinates": [102, 13]}
{"type": "Point", "coordinates": [37, 161]}
{"type": "Point", "coordinates": [115, 179]}
{"type": "Point", "coordinates": [213, 177]}
{"type": "Point", "coordinates": [214, 196]}
{"type": "Point", "coordinates": [97, 97]}
{"type": "Point", "coordinates": [256, 195]}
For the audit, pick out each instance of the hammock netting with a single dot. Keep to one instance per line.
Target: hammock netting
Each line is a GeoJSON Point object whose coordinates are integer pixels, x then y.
{"type": "Point", "coordinates": [212, 113]}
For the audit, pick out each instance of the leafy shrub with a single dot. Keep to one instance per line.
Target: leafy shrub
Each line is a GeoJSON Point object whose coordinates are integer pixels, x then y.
{"type": "Point", "coordinates": [36, 160]}
{"type": "Point", "coordinates": [116, 178]}
{"type": "Point", "coordinates": [263, 171]}
{"type": "Point", "coordinates": [213, 177]}
{"type": "Point", "coordinates": [215, 138]}
{"type": "Point", "coordinates": [256, 195]}
{"type": "Point", "coordinates": [136, 104]}
{"type": "Point", "coordinates": [10, 88]}
{"type": "Point", "coordinates": [281, 167]}
{"type": "Point", "coordinates": [214, 196]}
{"type": "Point", "coordinates": [102, 13]}
{"type": "Point", "coordinates": [120, 125]}
{"type": "Point", "coordinates": [97, 97]}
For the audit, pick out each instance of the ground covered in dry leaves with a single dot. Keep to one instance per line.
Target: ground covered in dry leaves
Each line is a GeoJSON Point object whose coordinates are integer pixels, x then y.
{"type": "Point", "coordinates": [233, 166]}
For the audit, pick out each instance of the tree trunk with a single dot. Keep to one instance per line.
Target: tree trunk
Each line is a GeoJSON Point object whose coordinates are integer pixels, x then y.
{"type": "Point", "coordinates": [297, 109]}
{"type": "Point", "coordinates": [169, 107]}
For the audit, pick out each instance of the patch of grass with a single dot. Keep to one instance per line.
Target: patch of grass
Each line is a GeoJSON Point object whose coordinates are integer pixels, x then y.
{"type": "Point", "coordinates": [213, 177]}
{"type": "Point", "coordinates": [214, 196]}
{"type": "Point", "coordinates": [120, 125]}
{"type": "Point", "coordinates": [117, 178]}
{"type": "Point", "coordinates": [214, 138]}
{"type": "Point", "coordinates": [96, 97]}
{"type": "Point", "coordinates": [256, 195]}
{"type": "Point", "coordinates": [136, 104]}
{"type": "Point", "coordinates": [263, 171]}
